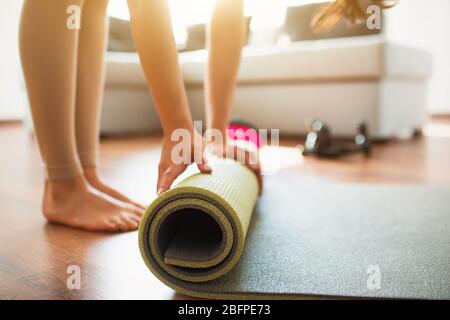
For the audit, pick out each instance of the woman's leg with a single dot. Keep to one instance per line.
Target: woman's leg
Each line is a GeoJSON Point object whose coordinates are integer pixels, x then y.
{"type": "Point", "coordinates": [226, 37]}
{"type": "Point", "coordinates": [48, 50]}
{"type": "Point", "coordinates": [48, 53]}
{"type": "Point", "coordinates": [89, 94]}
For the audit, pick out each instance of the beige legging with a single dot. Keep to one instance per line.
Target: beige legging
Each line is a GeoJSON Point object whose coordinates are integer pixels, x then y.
{"type": "Point", "coordinates": [64, 75]}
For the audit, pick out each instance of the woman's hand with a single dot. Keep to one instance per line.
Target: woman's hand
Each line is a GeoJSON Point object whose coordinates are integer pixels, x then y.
{"type": "Point", "coordinates": [244, 155]}
{"type": "Point", "coordinates": [173, 162]}
{"type": "Point", "coordinates": [170, 166]}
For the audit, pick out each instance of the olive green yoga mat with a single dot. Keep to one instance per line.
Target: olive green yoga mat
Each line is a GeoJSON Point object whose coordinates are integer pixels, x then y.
{"type": "Point", "coordinates": [210, 237]}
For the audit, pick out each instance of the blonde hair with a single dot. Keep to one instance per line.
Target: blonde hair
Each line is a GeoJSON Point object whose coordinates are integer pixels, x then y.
{"type": "Point", "coordinates": [353, 11]}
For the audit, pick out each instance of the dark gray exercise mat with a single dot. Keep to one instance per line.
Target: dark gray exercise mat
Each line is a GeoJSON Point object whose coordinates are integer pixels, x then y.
{"type": "Point", "coordinates": [342, 241]}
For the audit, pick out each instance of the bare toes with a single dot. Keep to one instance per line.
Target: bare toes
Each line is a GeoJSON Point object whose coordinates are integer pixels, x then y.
{"type": "Point", "coordinates": [135, 217]}
{"type": "Point", "coordinates": [119, 223]}
{"type": "Point", "coordinates": [111, 227]}
{"type": "Point", "coordinates": [131, 208]}
{"type": "Point", "coordinates": [139, 213]}
{"type": "Point", "coordinates": [132, 225]}
{"type": "Point", "coordinates": [138, 205]}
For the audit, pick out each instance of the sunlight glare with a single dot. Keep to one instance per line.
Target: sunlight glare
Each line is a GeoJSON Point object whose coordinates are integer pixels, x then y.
{"type": "Point", "coordinates": [267, 14]}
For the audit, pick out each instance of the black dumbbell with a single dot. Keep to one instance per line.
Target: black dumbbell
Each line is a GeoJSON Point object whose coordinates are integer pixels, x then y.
{"type": "Point", "coordinates": [319, 142]}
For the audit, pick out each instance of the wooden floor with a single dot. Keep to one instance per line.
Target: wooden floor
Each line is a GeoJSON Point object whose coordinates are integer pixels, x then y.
{"type": "Point", "coordinates": [34, 255]}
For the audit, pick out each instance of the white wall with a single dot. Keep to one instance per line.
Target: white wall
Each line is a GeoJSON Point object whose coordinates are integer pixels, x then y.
{"type": "Point", "coordinates": [12, 93]}
{"type": "Point", "coordinates": [426, 24]}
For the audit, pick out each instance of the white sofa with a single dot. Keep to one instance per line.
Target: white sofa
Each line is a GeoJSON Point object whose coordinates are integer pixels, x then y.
{"type": "Point", "coordinates": [340, 81]}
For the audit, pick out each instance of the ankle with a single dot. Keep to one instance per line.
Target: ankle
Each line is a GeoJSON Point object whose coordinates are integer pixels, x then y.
{"type": "Point", "coordinates": [60, 190]}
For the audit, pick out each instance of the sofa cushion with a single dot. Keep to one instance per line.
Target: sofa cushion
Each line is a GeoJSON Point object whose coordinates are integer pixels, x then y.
{"type": "Point", "coordinates": [327, 60]}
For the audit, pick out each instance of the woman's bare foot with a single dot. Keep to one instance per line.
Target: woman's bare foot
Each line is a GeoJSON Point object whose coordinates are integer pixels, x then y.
{"type": "Point", "coordinates": [94, 180]}
{"type": "Point", "coordinates": [73, 203]}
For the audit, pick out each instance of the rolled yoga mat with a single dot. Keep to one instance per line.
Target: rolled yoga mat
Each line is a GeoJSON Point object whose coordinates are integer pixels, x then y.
{"type": "Point", "coordinates": [196, 231]}
{"type": "Point", "coordinates": [302, 240]}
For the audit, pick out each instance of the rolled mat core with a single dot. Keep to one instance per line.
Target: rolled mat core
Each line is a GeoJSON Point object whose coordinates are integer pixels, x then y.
{"type": "Point", "coordinates": [196, 231]}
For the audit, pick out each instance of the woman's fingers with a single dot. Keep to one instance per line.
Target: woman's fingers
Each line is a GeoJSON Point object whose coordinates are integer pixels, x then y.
{"type": "Point", "coordinates": [204, 166]}
{"type": "Point", "coordinates": [167, 177]}
{"type": "Point", "coordinates": [252, 162]}
{"type": "Point", "coordinates": [249, 158]}
{"type": "Point", "coordinates": [168, 171]}
{"type": "Point", "coordinates": [256, 168]}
